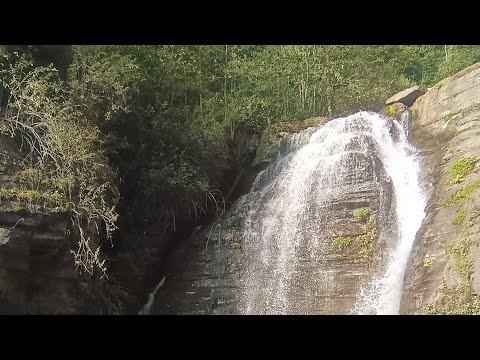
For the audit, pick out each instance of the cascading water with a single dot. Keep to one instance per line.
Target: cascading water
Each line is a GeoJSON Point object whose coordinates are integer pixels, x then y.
{"type": "Point", "coordinates": [383, 294]}
{"type": "Point", "coordinates": [289, 213]}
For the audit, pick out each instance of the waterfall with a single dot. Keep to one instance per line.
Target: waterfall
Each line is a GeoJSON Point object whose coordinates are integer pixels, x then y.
{"type": "Point", "coordinates": [289, 218]}
{"type": "Point", "coordinates": [383, 294]}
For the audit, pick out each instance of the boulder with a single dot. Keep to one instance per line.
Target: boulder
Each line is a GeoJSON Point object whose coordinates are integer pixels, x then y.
{"type": "Point", "coordinates": [407, 96]}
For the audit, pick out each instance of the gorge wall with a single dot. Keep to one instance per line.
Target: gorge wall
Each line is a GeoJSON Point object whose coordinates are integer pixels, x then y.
{"type": "Point", "coordinates": [443, 275]}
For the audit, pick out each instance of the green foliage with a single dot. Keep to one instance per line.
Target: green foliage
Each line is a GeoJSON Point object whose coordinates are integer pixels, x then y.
{"type": "Point", "coordinates": [428, 309]}
{"type": "Point", "coordinates": [342, 242]}
{"type": "Point", "coordinates": [446, 117]}
{"type": "Point", "coordinates": [459, 216]}
{"type": "Point", "coordinates": [461, 168]}
{"type": "Point", "coordinates": [65, 166]}
{"type": "Point", "coordinates": [428, 64]}
{"type": "Point", "coordinates": [152, 107]}
{"type": "Point", "coordinates": [34, 197]}
{"type": "Point", "coordinates": [427, 262]}
{"type": "Point", "coordinates": [364, 242]}
{"type": "Point", "coordinates": [463, 193]}
{"type": "Point", "coordinates": [457, 300]}
{"type": "Point", "coordinates": [362, 213]}
{"type": "Point", "coordinates": [391, 110]}
{"type": "Point", "coordinates": [462, 264]}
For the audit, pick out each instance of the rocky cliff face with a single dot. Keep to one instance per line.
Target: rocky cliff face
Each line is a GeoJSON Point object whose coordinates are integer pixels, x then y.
{"type": "Point", "coordinates": [443, 274]}
{"type": "Point", "coordinates": [36, 268]}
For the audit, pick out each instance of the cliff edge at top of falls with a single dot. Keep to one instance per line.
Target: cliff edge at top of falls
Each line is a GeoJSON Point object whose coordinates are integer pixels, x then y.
{"type": "Point", "coordinates": [443, 273]}
{"type": "Point", "coordinates": [274, 139]}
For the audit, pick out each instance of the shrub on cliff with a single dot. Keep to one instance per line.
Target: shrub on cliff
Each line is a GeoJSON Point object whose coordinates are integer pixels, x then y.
{"type": "Point", "coordinates": [64, 153]}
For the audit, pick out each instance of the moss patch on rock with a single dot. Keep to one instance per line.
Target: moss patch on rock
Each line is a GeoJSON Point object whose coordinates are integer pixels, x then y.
{"type": "Point", "coordinates": [461, 168]}
{"type": "Point", "coordinates": [459, 216]}
{"type": "Point", "coordinates": [458, 299]}
{"type": "Point", "coordinates": [395, 110]}
{"type": "Point", "coordinates": [463, 193]}
{"type": "Point", "coordinates": [364, 242]}
{"type": "Point", "coordinates": [361, 213]}
{"type": "Point", "coordinates": [342, 242]}
{"type": "Point", "coordinates": [272, 137]}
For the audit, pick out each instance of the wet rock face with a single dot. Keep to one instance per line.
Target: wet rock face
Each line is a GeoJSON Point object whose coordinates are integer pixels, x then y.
{"type": "Point", "coordinates": [242, 264]}
{"type": "Point", "coordinates": [444, 268]}
{"type": "Point", "coordinates": [36, 268]}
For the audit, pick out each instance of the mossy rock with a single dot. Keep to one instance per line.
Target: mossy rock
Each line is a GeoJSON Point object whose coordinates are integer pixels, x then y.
{"type": "Point", "coordinates": [395, 110]}
{"type": "Point", "coordinates": [273, 136]}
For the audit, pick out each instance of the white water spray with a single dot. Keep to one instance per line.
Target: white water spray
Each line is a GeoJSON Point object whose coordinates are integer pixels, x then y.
{"type": "Point", "coordinates": [382, 295]}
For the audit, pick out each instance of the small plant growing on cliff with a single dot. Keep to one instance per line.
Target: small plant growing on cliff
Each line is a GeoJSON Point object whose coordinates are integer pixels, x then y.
{"type": "Point", "coordinates": [362, 213]}
{"type": "Point", "coordinates": [463, 193]}
{"type": "Point", "coordinates": [429, 309]}
{"type": "Point", "coordinates": [391, 110]}
{"type": "Point", "coordinates": [32, 194]}
{"type": "Point", "coordinates": [342, 242]}
{"type": "Point", "coordinates": [3, 129]}
{"type": "Point", "coordinates": [427, 262]}
{"type": "Point", "coordinates": [461, 262]}
{"type": "Point", "coordinates": [447, 116]}
{"type": "Point", "coordinates": [461, 168]}
{"type": "Point", "coordinates": [457, 300]}
{"type": "Point", "coordinates": [459, 216]}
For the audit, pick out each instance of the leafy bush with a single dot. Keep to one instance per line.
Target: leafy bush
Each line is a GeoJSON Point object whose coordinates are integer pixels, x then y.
{"type": "Point", "coordinates": [65, 163]}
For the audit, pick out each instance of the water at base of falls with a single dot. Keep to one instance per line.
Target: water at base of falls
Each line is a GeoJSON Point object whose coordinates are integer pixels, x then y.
{"type": "Point", "coordinates": [285, 228]}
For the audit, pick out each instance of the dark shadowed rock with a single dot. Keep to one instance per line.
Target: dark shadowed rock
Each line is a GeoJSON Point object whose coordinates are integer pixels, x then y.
{"type": "Point", "coordinates": [36, 267]}
{"type": "Point", "coordinates": [407, 96]}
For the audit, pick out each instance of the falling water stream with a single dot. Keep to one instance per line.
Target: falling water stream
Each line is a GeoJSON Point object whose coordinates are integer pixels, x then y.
{"type": "Point", "coordinates": [287, 214]}
{"type": "Point", "coordinates": [383, 293]}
